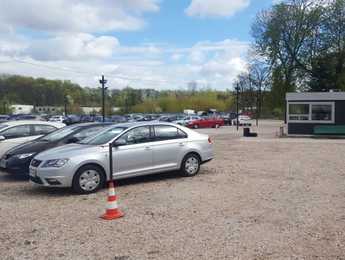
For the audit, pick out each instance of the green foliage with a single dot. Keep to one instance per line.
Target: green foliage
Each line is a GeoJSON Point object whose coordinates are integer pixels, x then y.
{"type": "Point", "coordinates": [278, 113]}
{"type": "Point", "coordinates": [4, 106]}
{"type": "Point", "coordinates": [43, 92]}
{"type": "Point", "coordinates": [198, 101]}
{"type": "Point", "coordinates": [303, 43]}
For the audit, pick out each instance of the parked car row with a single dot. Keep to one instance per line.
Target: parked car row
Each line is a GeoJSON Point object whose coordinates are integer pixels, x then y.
{"type": "Point", "coordinates": [17, 160]}
{"type": "Point", "coordinates": [193, 121]}
{"type": "Point", "coordinates": [77, 156]}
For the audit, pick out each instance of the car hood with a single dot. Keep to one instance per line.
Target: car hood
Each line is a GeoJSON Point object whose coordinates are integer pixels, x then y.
{"type": "Point", "coordinates": [66, 151]}
{"type": "Point", "coordinates": [31, 147]}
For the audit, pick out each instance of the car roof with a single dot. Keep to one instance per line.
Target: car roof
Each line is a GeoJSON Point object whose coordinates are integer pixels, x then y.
{"type": "Point", "coordinates": [151, 123]}
{"type": "Point", "coordinates": [93, 124]}
{"type": "Point", "coordinates": [27, 122]}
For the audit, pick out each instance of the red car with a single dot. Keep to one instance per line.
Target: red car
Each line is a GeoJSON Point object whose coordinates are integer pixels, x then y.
{"type": "Point", "coordinates": [206, 123]}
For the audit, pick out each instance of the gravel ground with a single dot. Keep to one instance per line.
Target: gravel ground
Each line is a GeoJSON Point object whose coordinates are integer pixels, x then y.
{"type": "Point", "coordinates": [261, 198]}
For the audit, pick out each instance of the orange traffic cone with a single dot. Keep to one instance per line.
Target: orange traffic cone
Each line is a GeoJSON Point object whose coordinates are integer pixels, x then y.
{"type": "Point", "coordinates": [112, 211]}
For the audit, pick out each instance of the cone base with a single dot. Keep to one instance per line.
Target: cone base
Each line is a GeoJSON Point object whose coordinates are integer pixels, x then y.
{"type": "Point", "coordinates": [116, 215]}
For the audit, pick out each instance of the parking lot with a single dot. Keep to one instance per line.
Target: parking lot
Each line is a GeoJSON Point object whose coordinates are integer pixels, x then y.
{"type": "Point", "coordinates": [261, 198]}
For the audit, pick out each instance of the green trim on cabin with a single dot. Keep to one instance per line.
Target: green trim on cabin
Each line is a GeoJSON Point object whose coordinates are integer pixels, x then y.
{"type": "Point", "coordinates": [329, 130]}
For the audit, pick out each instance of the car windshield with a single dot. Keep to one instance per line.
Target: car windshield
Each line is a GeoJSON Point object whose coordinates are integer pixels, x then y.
{"type": "Point", "coordinates": [60, 134]}
{"type": "Point", "coordinates": [2, 126]}
{"type": "Point", "coordinates": [103, 137]}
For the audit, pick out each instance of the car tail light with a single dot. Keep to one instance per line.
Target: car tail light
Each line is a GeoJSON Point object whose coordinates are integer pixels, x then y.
{"type": "Point", "coordinates": [210, 140]}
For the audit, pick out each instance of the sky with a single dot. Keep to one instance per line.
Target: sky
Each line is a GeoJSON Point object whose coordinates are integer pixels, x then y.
{"type": "Point", "coordinates": [160, 44]}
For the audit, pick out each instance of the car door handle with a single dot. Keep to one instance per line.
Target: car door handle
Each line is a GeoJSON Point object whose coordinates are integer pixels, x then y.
{"type": "Point", "coordinates": [181, 144]}
{"type": "Point", "coordinates": [147, 148]}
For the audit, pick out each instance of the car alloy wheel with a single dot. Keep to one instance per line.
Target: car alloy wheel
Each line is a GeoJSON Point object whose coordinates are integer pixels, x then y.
{"type": "Point", "coordinates": [196, 126]}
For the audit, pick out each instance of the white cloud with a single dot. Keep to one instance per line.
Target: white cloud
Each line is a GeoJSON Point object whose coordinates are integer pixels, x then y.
{"type": "Point", "coordinates": [76, 15]}
{"type": "Point", "coordinates": [216, 8]}
{"type": "Point", "coordinates": [72, 47]}
{"type": "Point", "coordinates": [222, 62]}
{"type": "Point", "coordinates": [66, 39]}
{"type": "Point", "coordinates": [218, 66]}
{"type": "Point", "coordinates": [176, 57]}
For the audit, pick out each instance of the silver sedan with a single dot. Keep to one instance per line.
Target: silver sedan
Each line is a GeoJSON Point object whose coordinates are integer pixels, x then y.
{"type": "Point", "coordinates": [138, 149]}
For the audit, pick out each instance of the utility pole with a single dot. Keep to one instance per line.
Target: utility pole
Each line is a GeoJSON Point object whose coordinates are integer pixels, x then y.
{"type": "Point", "coordinates": [103, 81]}
{"type": "Point", "coordinates": [237, 105]}
{"type": "Point", "coordinates": [65, 101]}
{"type": "Point", "coordinates": [5, 108]}
{"type": "Point", "coordinates": [258, 106]}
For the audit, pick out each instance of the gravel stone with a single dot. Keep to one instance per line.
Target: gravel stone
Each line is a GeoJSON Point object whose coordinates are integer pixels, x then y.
{"type": "Point", "coordinates": [260, 198]}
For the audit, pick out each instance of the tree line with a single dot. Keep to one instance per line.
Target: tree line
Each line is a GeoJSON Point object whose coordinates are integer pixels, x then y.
{"type": "Point", "coordinates": [16, 89]}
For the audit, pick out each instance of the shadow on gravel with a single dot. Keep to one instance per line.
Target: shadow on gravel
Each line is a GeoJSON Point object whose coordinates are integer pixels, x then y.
{"type": "Point", "coordinates": [149, 178]}
{"type": "Point", "coordinates": [13, 178]}
{"type": "Point", "coordinates": [33, 191]}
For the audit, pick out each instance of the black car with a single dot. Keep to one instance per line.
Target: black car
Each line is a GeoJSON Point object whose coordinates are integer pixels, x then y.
{"type": "Point", "coordinates": [17, 159]}
{"type": "Point", "coordinates": [171, 118]}
{"type": "Point", "coordinates": [72, 119]}
{"type": "Point", "coordinates": [228, 117]}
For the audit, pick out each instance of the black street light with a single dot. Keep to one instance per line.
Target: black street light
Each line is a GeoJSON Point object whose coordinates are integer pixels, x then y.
{"type": "Point", "coordinates": [65, 103]}
{"type": "Point", "coordinates": [237, 88]}
{"type": "Point", "coordinates": [258, 106]}
{"type": "Point", "coordinates": [103, 81]}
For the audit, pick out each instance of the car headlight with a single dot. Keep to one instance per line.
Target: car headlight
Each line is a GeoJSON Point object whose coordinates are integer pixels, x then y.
{"type": "Point", "coordinates": [56, 163]}
{"type": "Point", "coordinates": [24, 155]}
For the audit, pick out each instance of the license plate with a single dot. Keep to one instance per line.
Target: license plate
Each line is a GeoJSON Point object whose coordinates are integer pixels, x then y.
{"type": "Point", "coordinates": [2, 163]}
{"type": "Point", "coordinates": [33, 172]}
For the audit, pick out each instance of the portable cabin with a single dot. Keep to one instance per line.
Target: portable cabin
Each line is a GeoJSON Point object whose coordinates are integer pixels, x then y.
{"type": "Point", "coordinates": [315, 113]}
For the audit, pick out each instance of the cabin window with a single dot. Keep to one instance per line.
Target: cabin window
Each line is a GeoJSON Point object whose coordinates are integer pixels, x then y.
{"type": "Point", "coordinates": [313, 112]}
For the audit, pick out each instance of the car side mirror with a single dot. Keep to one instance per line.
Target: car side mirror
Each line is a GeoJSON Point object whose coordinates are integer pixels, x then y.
{"type": "Point", "coordinates": [2, 138]}
{"type": "Point", "coordinates": [119, 142]}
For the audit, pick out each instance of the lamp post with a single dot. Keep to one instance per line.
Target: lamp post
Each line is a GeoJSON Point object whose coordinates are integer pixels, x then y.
{"type": "Point", "coordinates": [237, 88]}
{"type": "Point", "coordinates": [103, 81]}
{"type": "Point", "coordinates": [65, 103]}
{"type": "Point", "coordinates": [258, 106]}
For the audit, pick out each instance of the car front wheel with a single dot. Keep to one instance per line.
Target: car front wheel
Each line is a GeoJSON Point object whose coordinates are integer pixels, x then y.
{"type": "Point", "coordinates": [190, 165]}
{"type": "Point", "coordinates": [88, 179]}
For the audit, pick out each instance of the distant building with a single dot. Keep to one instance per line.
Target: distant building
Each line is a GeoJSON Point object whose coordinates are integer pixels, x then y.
{"type": "Point", "coordinates": [21, 109]}
{"type": "Point", "coordinates": [189, 111]}
{"type": "Point", "coordinates": [28, 109]}
{"type": "Point", "coordinates": [91, 110]}
{"type": "Point", "coordinates": [48, 109]}
{"type": "Point", "coordinates": [116, 109]}
{"type": "Point", "coordinates": [96, 110]}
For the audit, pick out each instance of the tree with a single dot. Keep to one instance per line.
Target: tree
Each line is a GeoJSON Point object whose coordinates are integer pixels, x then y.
{"type": "Point", "coordinates": [128, 98]}
{"type": "Point", "coordinates": [259, 75]}
{"type": "Point", "coordinates": [287, 37]}
{"type": "Point", "coordinates": [329, 66]}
